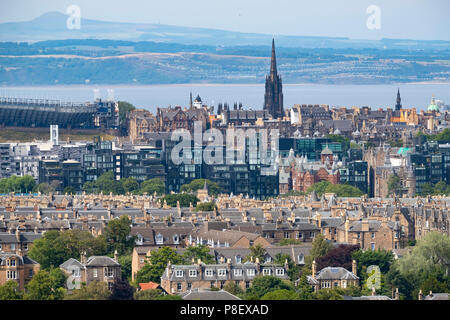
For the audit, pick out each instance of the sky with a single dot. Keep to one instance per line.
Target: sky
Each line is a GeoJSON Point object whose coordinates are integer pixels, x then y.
{"type": "Point", "coordinates": [400, 19]}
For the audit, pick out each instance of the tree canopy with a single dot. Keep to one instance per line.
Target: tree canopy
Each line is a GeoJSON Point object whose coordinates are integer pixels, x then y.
{"type": "Point", "coordinates": [213, 188]}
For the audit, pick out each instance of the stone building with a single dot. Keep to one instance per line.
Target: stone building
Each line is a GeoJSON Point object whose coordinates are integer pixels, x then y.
{"type": "Point", "coordinates": [181, 278]}
{"type": "Point", "coordinates": [17, 268]}
{"type": "Point", "coordinates": [333, 277]}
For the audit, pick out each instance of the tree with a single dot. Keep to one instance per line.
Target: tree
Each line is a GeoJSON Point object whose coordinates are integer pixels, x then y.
{"type": "Point", "coordinates": [184, 199]}
{"type": "Point", "coordinates": [320, 247]}
{"type": "Point", "coordinates": [10, 291]}
{"type": "Point", "coordinates": [43, 287]}
{"type": "Point", "coordinates": [293, 269]}
{"type": "Point", "coordinates": [198, 252]}
{"type": "Point", "coordinates": [43, 188]}
{"type": "Point", "coordinates": [304, 289]}
{"type": "Point", "coordinates": [69, 190]}
{"type": "Point", "coordinates": [441, 188]}
{"type": "Point", "coordinates": [328, 294]}
{"type": "Point", "coordinates": [206, 206]}
{"type": "Point", "coordinates": [381, 258]}
{"type": "Point", "coordinates": [344, 190]}
{"type": "Point", "coordinates": [427, 189]}
{"type": "Point", "coordinates": [281, 294]}
{"type": "Point", "coordinates": [256, 252]}
{"type": "Point", "coordinates": [429, 258]}
{"type": "Point", "coordinates": [158, 262]}
{"type": "Point", "coordinates": [152, 294]}
{"type": "Point", "coordinates": [213, 188]}
{"type": "Point", "coordinates": [264, 284]}
{"type": "Point", "coordinates": [340, 256]}
{"type": "Point", "coordinates": [394, 185]}
{"type": "Point", "coordinates": [125, 266]}
{"type": "Point", "coordinates": [233, 288]}
{"type": "Point", "coordinates": [55, 247]}
{"type": "Point", "coordinates": [121, 290]}
{"type": "Point", "coordinates": [117, 235]}
{"type": "Point", "coordinates": [319, 187]}
{"type": "Point", "coordinates": [289, 241]}
{"type": "Point", "coordinates": [151, 186]}
{"type": "Point", "coordinates": [124, 109]}
{"type": "Point", "coordinates": [95, 290]}
{"type": "Point", "coordinates": [130, 185]}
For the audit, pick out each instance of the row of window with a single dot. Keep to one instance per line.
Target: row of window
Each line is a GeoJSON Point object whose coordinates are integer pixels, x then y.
{"type": "Point", "coordinates": [223, 272]}
{"type": "Point", "coordinates": [12, 246]}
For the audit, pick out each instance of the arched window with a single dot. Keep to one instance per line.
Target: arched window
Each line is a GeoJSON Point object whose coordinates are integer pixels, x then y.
{"type": "Point", "coordinates": [176, 239]}
{"type": "Point", "coordinates": [159, 239]}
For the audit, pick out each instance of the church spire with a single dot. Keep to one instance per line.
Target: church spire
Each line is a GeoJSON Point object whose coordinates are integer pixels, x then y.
{"type": "Point", "coordinates": [273, 62]}
{"type": "Point", "coordinates": [398, 106]}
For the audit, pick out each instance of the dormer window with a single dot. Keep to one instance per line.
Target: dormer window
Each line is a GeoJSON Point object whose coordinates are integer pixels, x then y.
{"type": "Point", "coordinates": [192, 273]}
{"type": "Point", "coordinates": [238, 259]}
{"type": "Point", "coordinates": [280, 272]}
{"type": "Point", "coordinates": [11, 262]}
{"type": "Point", "coordinates": [179, 273]}
{"type": "Point", "coordinates": [250, 272]}
{"type": "Point", "coordinates": [159, 239]}
{"type": "Point", "coordinates": [139, 240]}
{"type": "Point", "coordinates": [209, 272]}
{"type": "Point", "coordinates": [268, 259]}
{"type": "Point", "coordinates": [222, 272]}
{"type": "Point", "coordinates": [176, 239]}
{"type": "Point", "coordinates": [238, 272]}
{"type": "Point", "coordinates": [301, 259]}
{"type": "Point", "coordinates": [267, 271]}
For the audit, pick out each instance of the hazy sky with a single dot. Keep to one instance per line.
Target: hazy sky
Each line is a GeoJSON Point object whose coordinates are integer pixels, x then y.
{"type": "Point", "coordinates": [412, 19]}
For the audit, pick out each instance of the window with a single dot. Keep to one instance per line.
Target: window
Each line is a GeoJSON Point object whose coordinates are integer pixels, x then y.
{"type": "Point", "coordinates": [238, 272]}
{"type": "Point", "coordinates": [325, 284]}
{"type": "Point", "coordinates": [250, 272]}
{"type": "Point", "coordinates": [13, 245]}
{"type": "Point", "coordinates": [76, 273]}
{"type": "Point", "coordinates": [238, 259]}
{"type": "Point", "coordinates": [25, 246]}
{"type": "Point", "coordinates": [142, 260]}
{"type": "Point", "coordinates": [312, 234]}
{"type": "Point", "coordinates": [222, 272]}
{"type": "Point", "coordinates": [11, 262]}
{"type": "Point", "coordinates": [301, 259]}
{"type": "Point", "coordinates": [209, 272]}
{"type": "Point", "coordinates": [300, 235]}
{"type": "Point", "coordinates": [176, 239]}
{"type": "Point", "coordinates": [211, 284]}
{"type": "Point", "coordinates": [11, 275]}
{"type": "Point", "coordinates": [344, 284]}
{"type": "Point", "coordinates": [159, 239]}
{"type": "Point", "coordinates": [336, 284]}
{"type": "Point", "coordinates": [30, 273]}
{"type": "Point", "coordinates": [268, 259]}
{"type": "Point", "coordinates": [373, 235]}
{"type": "Point", "coordinates": [372, 246]}
{"type": "Point", "coordinates": [280, 272]}
{"type": "Point", "coordinates": [286, 235]}
{"type": "Point", "coordinates": [192, 273]}
{"type": "Point", "coordinates": [267, 271]}
{"type": "Point", "coordinates": [178, 273]}
{"type": "Point", "coordinates": [189, 286]}
{"type": "Point", "coordinates": [139, 240]}
{"type": "Point", "coordinates": [178, 286]}
{"type": "Point", "coordinates": [109, 272]}
{"type": "Point", "coordinates": [247, 284]}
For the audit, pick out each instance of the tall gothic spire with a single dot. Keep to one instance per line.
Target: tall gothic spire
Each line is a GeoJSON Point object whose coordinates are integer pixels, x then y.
{"type": "Point", "coordinates": [273, 62]}
{"type": "Point", "coordinates": [398, 105]}
{"type": "Point", "coordinates": [273, 98]}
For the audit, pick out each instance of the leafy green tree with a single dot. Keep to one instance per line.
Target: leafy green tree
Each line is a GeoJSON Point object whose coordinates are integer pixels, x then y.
{"type": "Point", "coordinates": [184, 199]}
{"type": "Point", "coordinates": [69, 190]}
{"type": "Point", "coordinates": [343, 140]}
{"type": "Point", "coordinates": [328, 294]}
{"type": "Point", "coordinates": [394, 185]}
{"type": "Point", "coordinates": [10, 291]}
{"type": "Point", "coordinates": [213, 188]}
{"type": "Point", "coordinates": [206, 206]}
{"type": "Point", "coordinates": [263, 284]}
{"type": "Point", "coordinates": [124, 109]}
{"type": "Point", "coordinates": [233, 288]}
{"type": "Point", "coordinates": [344, 190]}
{"type": "Point", "coordinates": [130, 185]}
{"type": "Point", "coordinates": [319, 187]}
{"type": "Point", "coordinates": [152, 294]}
{"type": "Point", "coordinates": [125, 265]}
{"type": "Point", "coordinates": [43, 287]}
{"type": "Point", "coordinates": [95, 290]}
{"type": "Point", "coordinates": [198, 252]}
{"type": "Point", "coordinates": [281, 294]}
{"type": "Point", "coordinates": [427, 189]}
{"type": "Point", "coordinates": [158, 262]}
{"type": "Point", "coordinates": [55, 247]}
{"type": "Point", "coordinates": [304, 289]}
{"type": "Point", "coordinates": [117, 235]}
{"type": "Point", "coordinates": [43, 188]}
{"type": "Point", "coordinates": [441, 188]}
{"type": "Point", "coordinates": [320, 247]}
{"type": "Point", "coordinates": [151, 186]}
{"type": "Point", "coordinates": [256, 251]}
{"type": "Point", "coordinates": [293, 269]}
{"type": "Point", "coordinates": [17, 184]}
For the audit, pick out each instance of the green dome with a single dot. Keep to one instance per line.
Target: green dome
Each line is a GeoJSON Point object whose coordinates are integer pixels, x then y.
{"type": "Point", "coordinates": [433, 106]}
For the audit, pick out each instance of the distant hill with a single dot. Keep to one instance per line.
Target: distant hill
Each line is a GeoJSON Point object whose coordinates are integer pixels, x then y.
{"type": "Point", "coordinates": [52, 26]}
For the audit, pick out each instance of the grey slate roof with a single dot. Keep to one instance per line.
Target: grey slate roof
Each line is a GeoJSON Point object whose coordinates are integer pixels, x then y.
{"type": "Point", "coordinates": [335, 273]}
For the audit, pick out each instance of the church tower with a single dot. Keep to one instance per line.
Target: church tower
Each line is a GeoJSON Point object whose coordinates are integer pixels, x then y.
{"type": "Point", "coordinates": [273, 98]}
{"type": "Point", "coordinates": [398, 106]}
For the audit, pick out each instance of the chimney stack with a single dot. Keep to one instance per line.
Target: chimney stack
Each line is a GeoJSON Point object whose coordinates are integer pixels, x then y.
{"type": "Point", "coordinates": [354, 270]}
{"type": "Point", "coordinates": [116, 255]}
{"type": "Point", "coordinates": [373, 292]}
{"type": "Point", "coordinates": [397, 294]}
{"type": "Point", "coordinates": [420, 295]}
{"type": "Point", "coordinates": [314, 269]}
